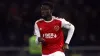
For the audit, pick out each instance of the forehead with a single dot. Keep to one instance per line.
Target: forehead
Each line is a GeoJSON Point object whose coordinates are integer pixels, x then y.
{"type": "Point", "coordinates": [45, 7]}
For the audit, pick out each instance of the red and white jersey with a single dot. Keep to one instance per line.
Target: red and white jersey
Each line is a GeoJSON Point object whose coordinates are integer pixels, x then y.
{"type": "Point", "coordinates": [51, 32]}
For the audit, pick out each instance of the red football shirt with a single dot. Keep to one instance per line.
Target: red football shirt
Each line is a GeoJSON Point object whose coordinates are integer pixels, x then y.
{"type": "Point", "coordinates": [51, 32]}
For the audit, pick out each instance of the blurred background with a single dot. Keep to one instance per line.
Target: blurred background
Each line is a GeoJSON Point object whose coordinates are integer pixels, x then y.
{"type": "Point", "coordinates": [17, 18]}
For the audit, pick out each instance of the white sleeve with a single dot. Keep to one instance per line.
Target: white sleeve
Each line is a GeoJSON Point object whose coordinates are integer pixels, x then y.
{"type": "Point", "coordinates": [70, 28]}
{"type": "Point", "coordinates": [36, 33]}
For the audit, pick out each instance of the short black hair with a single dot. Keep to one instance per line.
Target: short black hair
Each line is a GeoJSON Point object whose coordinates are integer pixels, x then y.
{"type": "Point", "coordinates": [50, 4]}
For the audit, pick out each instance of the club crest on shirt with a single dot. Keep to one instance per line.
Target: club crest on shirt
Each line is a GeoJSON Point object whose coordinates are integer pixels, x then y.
{"type": "Point", "coordinates": [40, 28]}
{"type": "Point", "coordinates": [56, 28]}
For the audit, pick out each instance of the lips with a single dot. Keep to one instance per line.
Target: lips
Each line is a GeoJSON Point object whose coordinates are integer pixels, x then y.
{"type": "Point", "coordinates": [43, 14]}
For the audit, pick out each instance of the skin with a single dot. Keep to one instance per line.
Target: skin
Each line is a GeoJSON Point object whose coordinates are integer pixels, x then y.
{"type": "Point", "coordinates": [46, 12]}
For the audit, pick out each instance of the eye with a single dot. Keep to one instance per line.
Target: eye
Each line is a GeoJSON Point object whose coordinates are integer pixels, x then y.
{"type": "Point", "coordinates": [44, 8]}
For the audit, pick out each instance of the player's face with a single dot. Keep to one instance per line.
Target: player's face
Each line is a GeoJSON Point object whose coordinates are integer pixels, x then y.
{"type": "Point", "coordinates": [45, 11]}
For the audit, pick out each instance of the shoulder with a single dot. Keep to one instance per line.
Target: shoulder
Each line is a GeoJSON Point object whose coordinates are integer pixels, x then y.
{"type": "Point", "coordinates": [39, 20]}
{"type": "Point", "coordinates": [60, 19]}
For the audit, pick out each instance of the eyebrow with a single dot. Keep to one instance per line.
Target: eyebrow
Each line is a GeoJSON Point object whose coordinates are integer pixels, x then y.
{"type": "Point", "coordinates": [45, 8]}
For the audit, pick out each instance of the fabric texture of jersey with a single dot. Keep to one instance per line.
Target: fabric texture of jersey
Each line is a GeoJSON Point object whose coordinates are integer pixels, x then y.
{"type": "Point", "coordinates": [51, 32]}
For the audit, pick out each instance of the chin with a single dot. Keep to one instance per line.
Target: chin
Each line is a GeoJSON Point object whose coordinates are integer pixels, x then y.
{"type": "Point", "coordinates": [43, 16]}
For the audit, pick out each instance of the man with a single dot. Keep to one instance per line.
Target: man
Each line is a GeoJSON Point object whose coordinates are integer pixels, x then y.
{"type": "Point", "coordinates": [48, 31]}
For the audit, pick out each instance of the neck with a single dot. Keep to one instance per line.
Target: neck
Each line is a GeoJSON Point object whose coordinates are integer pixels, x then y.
{"type": "Point", "coordinates": [48, 18]}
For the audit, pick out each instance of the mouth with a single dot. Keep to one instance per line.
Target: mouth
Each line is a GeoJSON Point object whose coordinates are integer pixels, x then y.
{"type": "Point", "coordinates": [43, 14]}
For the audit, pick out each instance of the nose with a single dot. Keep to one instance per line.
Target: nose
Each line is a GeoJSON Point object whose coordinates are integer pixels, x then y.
{"type": "Point", "coordinates": [43, 11]}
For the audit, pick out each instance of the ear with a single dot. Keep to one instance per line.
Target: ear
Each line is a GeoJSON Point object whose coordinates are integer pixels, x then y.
{"type": "Point", "coordinates": [51, 11]}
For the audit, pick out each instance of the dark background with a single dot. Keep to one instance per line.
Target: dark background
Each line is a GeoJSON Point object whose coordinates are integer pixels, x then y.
{"type": "Point", "coordinates": [17, 18]}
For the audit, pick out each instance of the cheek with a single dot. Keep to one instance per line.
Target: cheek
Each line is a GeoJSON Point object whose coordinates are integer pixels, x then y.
{"type": "Point", "coordinates": [49, 12]}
